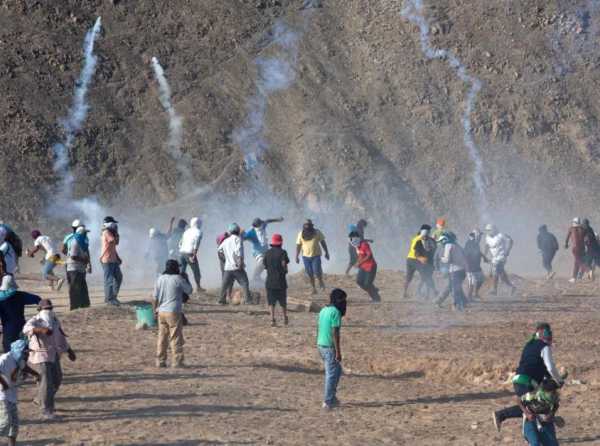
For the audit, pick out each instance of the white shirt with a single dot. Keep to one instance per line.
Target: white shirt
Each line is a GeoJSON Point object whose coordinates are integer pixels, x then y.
{"type": "Point", "coordinates": [7, 367]}
{"type": "Point", "coordinates": [550, 365]}
{"type": "Point", "coordinates": [233, 251]}
{"type": "Point", "coordinates": [498, 246]}
{"type": "Point", "coordinates": [10, 257]}
{"type": "Point", "coordinates": [190, 241]}
{"type": "Point", "coordinates": [46, 243]}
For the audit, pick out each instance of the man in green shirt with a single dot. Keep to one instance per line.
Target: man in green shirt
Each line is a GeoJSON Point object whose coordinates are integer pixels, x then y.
{"type": "Point", "coordinates": [328, 342]}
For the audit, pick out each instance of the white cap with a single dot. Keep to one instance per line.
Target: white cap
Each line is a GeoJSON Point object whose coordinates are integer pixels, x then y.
{"type": "Point", "coordinates": [76, 223]}
{"type": "Point", "coordinates": [152, 232]}
{"type": "Point", "coordinates": [81, 230]}
{"type": "Point", "coordinates": [576, 221]}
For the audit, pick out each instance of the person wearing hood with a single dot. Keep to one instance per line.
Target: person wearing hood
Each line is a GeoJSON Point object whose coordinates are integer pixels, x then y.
{"type": "Point", "coordinates": [536, 364]}
{"type": "Point", "coordinates": [175, 235]}
{"type": "Point", "coordinates": [158, 249]}
{"type": "Point", "coordinates": [170, 293]}
{"type": "Point", "coordinates": [498, 248]}
{"type": "Point", "coordinates": [454, 258]}
{"type": "Point", "coordinates": [111, 262]}
{"type": "Point", "coordinates": [8, 251]}
{"type": "Point", "coordinates": [12, 306]}
{"type": "Point", "coordinates": [311, 243]}
{"type": "Point", "coordinates": [188, 250]}
{"type": "Point", "coordinates": [51, 258]}
{"type": "Point", "coordinates": [78, 261]}
{"type": "Point", "coordinates": [275, 262]}
{"type": "Point", "coordinates": [592, 247]}
{"type": "Point", "coordinates": [420, 258]}
{"type": "Point", "coordinates": [13, 363]}
{"type": "Point", "coordinates": [47, 342]}
{"type": "Point", "coordinates": [366, 264]}
{"type": "Point", "coordinates": [548, 246]}
{"type": "Point", "coordinates": [257, 235]}
{"type": "Point", "coordinates": [232, 250]}
{"type": "Point", "coordinates": [329, 324]}
{"type": "Point", "coordinates": [576, 237]}
{"type": "Point", "coordinates": [474, 256]}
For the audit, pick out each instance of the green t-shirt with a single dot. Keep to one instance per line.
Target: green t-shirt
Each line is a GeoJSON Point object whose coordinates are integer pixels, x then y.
{"type": "Point", "coordinates": [329, 318]}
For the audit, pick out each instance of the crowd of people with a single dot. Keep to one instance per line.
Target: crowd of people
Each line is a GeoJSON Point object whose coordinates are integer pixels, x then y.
{"type": "Point", "coordinates": [434, 253]}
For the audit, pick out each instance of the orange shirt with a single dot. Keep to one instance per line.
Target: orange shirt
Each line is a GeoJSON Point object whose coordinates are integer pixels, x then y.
{"type": "Point", "coordinates": [109, 248]}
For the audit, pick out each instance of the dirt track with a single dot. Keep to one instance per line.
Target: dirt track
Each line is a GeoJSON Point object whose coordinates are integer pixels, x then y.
{"type": "Point", "coordinates": [415, 375]}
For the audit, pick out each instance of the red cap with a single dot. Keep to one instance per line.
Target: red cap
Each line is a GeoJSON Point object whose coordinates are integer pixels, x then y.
{"type": "Point", "coordinates": [276, 240]}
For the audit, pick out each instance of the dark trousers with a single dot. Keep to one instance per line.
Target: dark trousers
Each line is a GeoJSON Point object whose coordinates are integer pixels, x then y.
{"type": "Point", "coordinates": [547, 258]}
{"type": "Point", "coordinates": [457, 279]}
{"type": "Point", "coordinates": [184, 261]}
{"type": "Point", "coordinates": [50, 380]}
{"type": "Point", "coordinates": [240, 276]}
{"type": "Point", "coordinates": [426, 272]}
{"type": "Point", "coordinates": [113, 278]}
{"type": "Point", "coordinates": [79, 296]}
{"type": "Point", "coordinates": [365, 280]}
{"type": "Point", "coordinates": [514, 411]}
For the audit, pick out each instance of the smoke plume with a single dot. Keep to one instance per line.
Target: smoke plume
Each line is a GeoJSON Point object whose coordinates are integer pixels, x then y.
{"type": "Point", "coordinates": [175, 123]}
{"type": "Point", "coordinates": [413, 11]}
{"type": "Point", "coordinates": [274, 74]}
{"type": "Point", "coordinates": [77, 113]}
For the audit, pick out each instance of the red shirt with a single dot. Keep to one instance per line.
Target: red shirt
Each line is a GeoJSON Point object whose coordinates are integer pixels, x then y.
{"type": "Point", "coordinates": [364, 250]}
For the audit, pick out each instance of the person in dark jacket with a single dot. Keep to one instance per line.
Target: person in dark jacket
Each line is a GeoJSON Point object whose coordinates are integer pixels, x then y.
{"type": "Point", "coordinates": [548, 246]}
{"type": "Point", "coordinates": [474, 256]}
{"type": "Point", "coordinates": [536, 364]}
{"type": "Point", "coordinates": [592, 247]}
{"type": "Point", "coordinates": [276, 263]}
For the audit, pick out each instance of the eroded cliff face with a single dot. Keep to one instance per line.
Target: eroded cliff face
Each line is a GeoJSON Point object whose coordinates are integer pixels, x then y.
{"type": "Point", "coordinates": [368, 123]}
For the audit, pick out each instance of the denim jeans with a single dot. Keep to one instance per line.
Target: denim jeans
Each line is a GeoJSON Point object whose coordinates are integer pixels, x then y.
{"type": "Point", "coordinates": [333, 373]}
{"type": "Point", "coordinates": [546, 436]}
{"type": "Point", "coordinates": [184, 261]}
{"type": "Point", "coordinates": [112, 281]}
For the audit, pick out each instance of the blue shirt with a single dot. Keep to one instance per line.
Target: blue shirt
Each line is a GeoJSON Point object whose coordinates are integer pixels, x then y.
{"type": "Point", "coordinates": [258, 238]}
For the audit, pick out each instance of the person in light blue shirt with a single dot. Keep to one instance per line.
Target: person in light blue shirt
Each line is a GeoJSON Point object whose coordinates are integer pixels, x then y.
{"type": "Point", "coordinates": [260, 243]}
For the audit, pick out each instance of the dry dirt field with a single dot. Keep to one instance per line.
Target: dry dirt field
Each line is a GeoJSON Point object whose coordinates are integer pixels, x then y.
{"type": "Point", "coordinates": [414, 374]}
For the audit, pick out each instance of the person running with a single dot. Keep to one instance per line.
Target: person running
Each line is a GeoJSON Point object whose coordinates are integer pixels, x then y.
{"type": "Point", "coordinates": [420, 258]}
{"type": "Point", "coordinates": [170, 293]}
{"type": "Point", "coordinates": [359, 228]}
{"type": "Point", "coordinates": [259, 239]}
{"type": "Point", "coordinates": [548, 246]}
{"type": "Point", "coordinates": [454, 258]}
{"type": "Point", "coordinates": [309, 243]}
{"type": "Point", "coordinates": [12, 364]}
{"type": "Point", "coordinates": [275, 262]}
{"type": "Point", "coordinates": [188, 250]}
{"type": "Point", "coordinates": [592, 247]}
{"type": "Point", "coordinates": [536, 364]}
{"type": "Point", "coordinates": [78, 264]}
{"type": "Point", "coordinates": [498, 247]}
{"type": "Point", "coordinates": [367, 266]}
{"type": "Point", "coordinates": [474, 256]}
{"type": "Point", "coordinates": [158, 249]}
{"type": "Point", "coordinates": [12, 306]}
{"type": "Point", "coordinates": [329, 324]}
{"type": "Point", "coordinates": [232, 250]}
{"type": "Point", "coordinates": [51, 258]}
{"type": "Point", "coordinates": [576, 236]}
{"type": "Point", "coordinates": [175, 237]}
{"type": "Point", "coordinates": [47, 342]}
{"type": "Point", "coordinates": [111, 262]}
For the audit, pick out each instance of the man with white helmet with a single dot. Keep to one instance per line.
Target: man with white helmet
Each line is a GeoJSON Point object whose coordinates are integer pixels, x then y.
{"type": "Point", "coordinates": [188, 250]}
{"type": "Point", "coordinates": [498, 247]}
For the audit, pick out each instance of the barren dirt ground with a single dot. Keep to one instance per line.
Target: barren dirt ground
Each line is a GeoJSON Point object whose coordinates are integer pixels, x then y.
{"type": "Point", "coordinates": [414, 374]}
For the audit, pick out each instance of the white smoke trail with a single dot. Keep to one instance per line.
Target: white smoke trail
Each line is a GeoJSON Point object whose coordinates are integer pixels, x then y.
{"type": "Point", "coordinates": [413, 11]}
{"type": "Point", "coordinates": [77, 113]}
{"type": "Point", "coordinates": [175, 122]}
{"type": "Point", "coordinates": [274, 74]}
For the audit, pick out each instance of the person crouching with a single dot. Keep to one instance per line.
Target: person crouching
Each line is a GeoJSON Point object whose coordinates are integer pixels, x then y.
{"type": "Point", "coordinates": [47, 342]}
{"type": "Point", "coordinates": [171, 290]}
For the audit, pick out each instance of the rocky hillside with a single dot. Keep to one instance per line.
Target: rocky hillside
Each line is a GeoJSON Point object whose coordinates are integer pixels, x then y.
{"type": "Point", "coordinates": [368, 123]}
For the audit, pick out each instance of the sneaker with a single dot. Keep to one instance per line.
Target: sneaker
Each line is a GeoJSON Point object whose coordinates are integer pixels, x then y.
{"type": "Point", "coordinates": [551, 275]}
{"type": "Point", "coordinates": [326, 407]}
{"type": "Point", "coordinates": [572, 280]}
{"type": "Point", "coordinates": [200, 290]}
{"type": "Point", "coordinates": [222, 302]}
{"type": "Point", "coordinates": [59, 284]}
{"type": "Point", "coordinates": [497, 421]}
{"type": "Point", "coordinates": [46, 415]}
{"type": "Point", "coordinates": [36, 402]}
{"type": "Point", "coordinates": [336, 402]}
